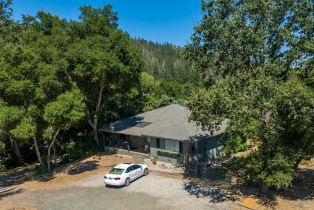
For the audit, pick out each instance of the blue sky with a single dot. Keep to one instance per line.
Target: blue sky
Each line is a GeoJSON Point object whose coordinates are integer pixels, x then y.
{"type": "Point", "coordinates": [157, 20]}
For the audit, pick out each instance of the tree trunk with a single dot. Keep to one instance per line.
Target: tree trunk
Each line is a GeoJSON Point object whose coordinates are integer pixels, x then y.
{"type": "Point", "coordinates": [95, 135]}
{"type": "Point", "coordinates": [49, 149]}
{"type": "Point", "coordinates": [54, 155]}
{"type": "Point", "coordinates": [263, 188]}
{"type": "Point", "coordinates": [93, 120]}
{"type": "Point", "coordinates": [16, 150]}
{"type": "Point", "coordinates": [38, 152]}
{"type": "Point", "coordinates": [296, 165]}
{"type": "Point", "coordinates": [94, 127]}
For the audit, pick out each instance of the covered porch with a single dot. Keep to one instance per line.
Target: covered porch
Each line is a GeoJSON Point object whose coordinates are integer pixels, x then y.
{"type": "Point", "coordinates": [139, 144]}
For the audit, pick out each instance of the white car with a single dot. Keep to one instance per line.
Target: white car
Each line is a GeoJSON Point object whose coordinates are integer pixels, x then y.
{"type": "Point", "coordinates": [124, 173]}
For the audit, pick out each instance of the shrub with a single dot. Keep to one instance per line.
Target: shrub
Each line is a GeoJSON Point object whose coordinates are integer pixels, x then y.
{"type": "Point", "coordinates": [40, 169]}
{"type": "Point", "coordinates": [79, 148]}
{"type": "Point", "coordinates": [234, 145]}
{"type": "Point", "coordinates": [2, 165]}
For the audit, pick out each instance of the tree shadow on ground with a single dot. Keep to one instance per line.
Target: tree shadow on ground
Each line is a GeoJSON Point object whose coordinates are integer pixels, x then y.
{"type": "Point", "coordinates": [216, 193]}
{"type": "Point", "coordinates": [217, 189]}
{"type": "Point", "coordinates": [44, 177]}
{"type": "Point", "coordinates": [81, 167]}
{"type": "Point", "coordinates": [17, 176]}
{"type": "Point", "coordinates": [10, 191]}
{"type": "Point", "coordinates": [303, 186]}
{"type": "Point", "coordinates": [20, 175]}
{"type": "Point", "coordinates": [266, 200]}
{"type": "Point", "coordinates": [302, 190]}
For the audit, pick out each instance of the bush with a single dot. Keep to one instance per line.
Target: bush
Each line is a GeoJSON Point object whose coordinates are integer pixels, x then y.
{"type": "Point", "coordinates": [40, 169]}
{"type": "Point", "coordinates": [234, 145]}
{"type": "Point", "coordinates": [2, 165]}
{"type": "Point", "coordinates": [79, 148]}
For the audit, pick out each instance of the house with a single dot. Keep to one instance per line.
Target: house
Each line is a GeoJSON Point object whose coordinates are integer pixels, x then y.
{"type": "Point", "coordinates": [164, 134]}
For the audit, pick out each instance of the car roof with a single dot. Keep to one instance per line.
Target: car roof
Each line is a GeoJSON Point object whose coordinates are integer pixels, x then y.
{"type": "Point", "coordinates": [123, 165]}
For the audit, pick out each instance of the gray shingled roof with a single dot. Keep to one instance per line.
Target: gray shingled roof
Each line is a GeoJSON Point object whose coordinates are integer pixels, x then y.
{"type": "Point", "coordinates": [170, 122]}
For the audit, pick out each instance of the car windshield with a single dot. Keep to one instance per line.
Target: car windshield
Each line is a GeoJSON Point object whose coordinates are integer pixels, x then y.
{"type": "Point", "coordinates": [117, 171]}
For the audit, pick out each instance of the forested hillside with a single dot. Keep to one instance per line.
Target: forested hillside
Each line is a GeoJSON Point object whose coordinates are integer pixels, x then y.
{"type": "Point", "coordinates": [165, 61]}
{"type": "Point", "coordinates": [167, 77]}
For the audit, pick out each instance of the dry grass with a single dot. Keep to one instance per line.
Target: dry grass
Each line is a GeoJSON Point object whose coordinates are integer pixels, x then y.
{"type": "Point", "coordinates": [11, 206]}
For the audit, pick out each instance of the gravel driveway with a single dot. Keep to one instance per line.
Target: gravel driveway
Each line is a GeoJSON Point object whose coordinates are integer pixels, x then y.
{"type": "Point", "coordinates": [150, 192]}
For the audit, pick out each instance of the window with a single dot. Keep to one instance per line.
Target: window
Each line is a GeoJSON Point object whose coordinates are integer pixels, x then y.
{"type": "Point", "coordinates": [128, 170]}
{"type": "Point", "coordinates": [116, 171]}
{"type": "Point", "coordinates": [162, 143]}
{"type": "Point", "coordinates": [136, 167]}
{"type": "Point", "coordinates": [171, 145]}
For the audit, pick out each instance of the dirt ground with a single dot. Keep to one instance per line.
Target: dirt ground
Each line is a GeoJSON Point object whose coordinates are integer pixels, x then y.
{"type": "Point", "coordinates": [80, 186]}
{"type": "Point", "coordinates": [300, 196]}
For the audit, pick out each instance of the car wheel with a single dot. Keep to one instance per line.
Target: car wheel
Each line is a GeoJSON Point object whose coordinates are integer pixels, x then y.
{"type": "Point", "coordinates": [145, 172]}
{"type": "Point", "coordinates": [127, 182]}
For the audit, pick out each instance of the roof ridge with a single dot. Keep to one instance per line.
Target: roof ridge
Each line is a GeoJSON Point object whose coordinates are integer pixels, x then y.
{"type": "Point", "coordinates": [163, 107]}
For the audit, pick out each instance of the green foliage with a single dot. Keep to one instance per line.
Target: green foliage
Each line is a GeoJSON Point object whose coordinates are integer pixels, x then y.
{"type": "Point", "coordinates": [72, 153]}
{"type": "Point", "coordinates": [165, 61]}
{"type": "Point", "coordinates": [290, 128]}
{"type": "Point", "coordinates": [54, 71]}
{"type": "Point", "coordinates": [104, 65]}
{"type": "Point", "coordinates": [9, 29]}
{"type": "Point", "coordinates": [67, 110]}
{"type": "Point", "coordinates": [48, 133]}
{"type": "Point", "coordinates": [161, 92]}
{"type": "Point", "coordinates": [78, 148]}
{"type": "Point", "coordinates": [2, 147]}
{"type": "Point", "coordinates": [236, 37]}
{"type": "Point", "coordinates": [234, 145]}
{"type": "Point", "coordinates": [276, 171]}
{"type": "Point", "coordinates": [256, 63]}
{"type": "Point", "coordinates": [2, 165]}
{"type": "Point", "coordinates": [40, 169]}
{"type": "Point", "coordinates": [9, 118]}
{"type": "Point", "coordinates": [25, 130]}
{"type": "Point", "coordinates": [2, 151]}
{"type": "Point", "coordinates": [167, 78]}
{"type": "Point", "coordinates": [151, 91]}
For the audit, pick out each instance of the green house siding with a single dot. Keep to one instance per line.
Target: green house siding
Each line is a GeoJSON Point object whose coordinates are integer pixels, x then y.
{"type": "Point", "coordinates": [209, 149]}
{"type": "Point", "coordinates": [173, 157]}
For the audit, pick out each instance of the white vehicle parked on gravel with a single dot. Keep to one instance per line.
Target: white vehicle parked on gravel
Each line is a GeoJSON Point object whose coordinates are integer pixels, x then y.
{"type": "Point", "coordinates": [124, 173]}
